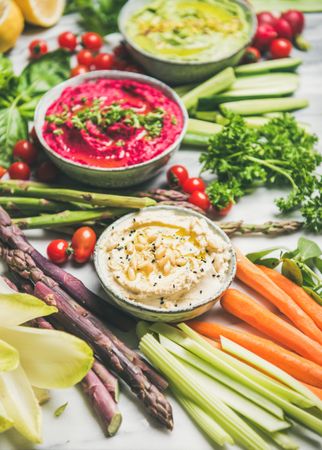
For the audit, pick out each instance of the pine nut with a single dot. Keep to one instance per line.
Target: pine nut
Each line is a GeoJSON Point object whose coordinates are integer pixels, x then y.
{"type": "Point", "coordinates": [160, 252]}
{"type": "Point", "coordinates": [161, 262]}
{"type": "Point", "coordinates": [181, 261]}
{"type": "Point", "coordinates": [167, 268]}
{"type": "Point", "coordinates": [131, 274]}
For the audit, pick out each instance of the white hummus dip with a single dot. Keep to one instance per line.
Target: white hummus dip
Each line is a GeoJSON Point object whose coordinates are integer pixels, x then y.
{"type": "Point", "coordinates": [166, 259]}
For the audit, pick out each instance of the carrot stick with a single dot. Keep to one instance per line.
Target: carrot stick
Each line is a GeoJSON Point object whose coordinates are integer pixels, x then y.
{"type": "Point", "coordinates": [293, 364]}
{"type": "Point", "coordinates": [315, 390]}
{"type": "Point", "coordinates": [247, 309]}
{"type": "Point", "coordinates": [255, 278]}
{"type": "Point", "coordinates": [298, 294]}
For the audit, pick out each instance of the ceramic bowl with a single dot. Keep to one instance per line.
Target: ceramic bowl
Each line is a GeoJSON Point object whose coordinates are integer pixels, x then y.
{"type": "Point", "coordinates": [105, 177]}
{"type": "Point", "coordinates": [152, 313]}
{"type": "Point", "coordinates": [181, 72]}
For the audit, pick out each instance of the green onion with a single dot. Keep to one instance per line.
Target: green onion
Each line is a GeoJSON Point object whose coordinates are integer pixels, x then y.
{"type": "Point", "coordinates": [253, 107]}
{"type": "Point", "coordinates": [287, 64]}
{"type": "Point", "coordinates": [217, 83]}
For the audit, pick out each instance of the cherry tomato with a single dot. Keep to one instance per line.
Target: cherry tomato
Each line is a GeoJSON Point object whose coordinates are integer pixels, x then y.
{"type": "Point", "coordinates": [85, 57]}
{"type": "Point", "coordinates": [200, 199]}
{"type": "Point", "coordinates": [280, 48]}
{"type": "Point", "coordinates": [2, 171]}
{"type": "Point", "coordinates": [19, 171]}
{"type": "Point", "coordinates": [251, 55]}
{"type": "Point", "coordinates": [193, 184]}
{"type": "Point", "coordinates": [266, 17]}
{"type": "Point", "coordinates": [83, 243]}
{"type": "Point", "coordinates": [264, 35]}
{"type": "Point", "coordinates": [37, 48]}
{"type": "Point", "coordinates": [177, 175]}
{"type": "Point", "coordinates": [283, 29]}
{"type": "Point", "coordinates": [46, 172]}
{"type": "Point", "coordinates": [295, 19]}
{"type": "Point", "coordinates": [33, 136]}
{"type": "Point", "coordinates": [57, 251]}
{"type": "Point", "coordinates": [25, 151]}
{"type": "Point", "coordinates": [67, 40]}
{"type": "Point", "coordinates": [78, 70]}
{"type": "Point", "coordinates": [92, 41]}
{"type": "Point", "coordinates": [103, 61]}
{"type": "Point", "coordinates": [224, 211]}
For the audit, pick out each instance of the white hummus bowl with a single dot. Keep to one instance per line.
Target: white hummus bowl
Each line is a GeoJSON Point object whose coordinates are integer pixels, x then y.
{"type": "Point", "coordinates": [153, 313]}
{"type": "Point", "coordinates": [100, 176]}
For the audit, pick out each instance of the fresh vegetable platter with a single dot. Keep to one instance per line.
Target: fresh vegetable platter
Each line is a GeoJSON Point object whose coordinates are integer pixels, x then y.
{"type": "Point", "coordinates": [69, 421]}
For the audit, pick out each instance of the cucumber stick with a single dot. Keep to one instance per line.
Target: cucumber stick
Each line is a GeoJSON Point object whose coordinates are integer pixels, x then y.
{"type": "Point", "coordinates": [196, 140]}
{"type": "Point", "coordinates": [263, 106]}
{"type": "Point", "coordinates": [273, 65]}
{"type": "Point", "coordinates": [265, 80]}
{"type": "Point", "coordinates": [196, 126]}
{"type": "Point", "coordinates": [218, 83]}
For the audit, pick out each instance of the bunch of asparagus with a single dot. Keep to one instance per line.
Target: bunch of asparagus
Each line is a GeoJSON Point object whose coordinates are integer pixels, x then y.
{"type": "Point", "coordinates": [77, 307]}
{"type": "Point", "coordinates": [37, 205]}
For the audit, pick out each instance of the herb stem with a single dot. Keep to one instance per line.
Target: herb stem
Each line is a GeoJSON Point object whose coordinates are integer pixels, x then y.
{"type": "Point", "coordinates": [273, 167]}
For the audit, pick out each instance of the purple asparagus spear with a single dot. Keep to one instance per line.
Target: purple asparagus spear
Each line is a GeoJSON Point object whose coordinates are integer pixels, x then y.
{"type": "Point", "coordinates": [108, 379]}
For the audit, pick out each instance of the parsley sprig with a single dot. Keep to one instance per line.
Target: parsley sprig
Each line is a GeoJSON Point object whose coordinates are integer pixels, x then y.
{"type": "Point", "coordinates": [278, 153]}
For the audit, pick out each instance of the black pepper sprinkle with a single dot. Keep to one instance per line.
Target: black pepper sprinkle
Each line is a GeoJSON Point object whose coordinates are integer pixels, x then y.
{"type": "Point", "coordinates": [200, 292]}
{"type": "Point", "coordinates": [160, 276]}
{"type": "Point", "coordinates": [154, 284]}
{"type": "Point", "coordinates": [213, 276]}
{"type": "Point", "coordinates": [202, 270]}
{"type": "Point", "coordinates": [194, 271]}
{"type": "Point", "coordinates": [217, 276]}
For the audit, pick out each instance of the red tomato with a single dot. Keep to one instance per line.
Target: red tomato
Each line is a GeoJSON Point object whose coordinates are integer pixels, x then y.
{"type": "Point", "coordinates": [103, 61]}
{"type": "Point", "coordinates": [78, 70]}
{"type": "Point", "coordinates": [295, 19]}
{"type": "Point", "coordinates": [46, 172]}
{"type": "Point", "coordinates": [19, 171]}
{"type": "Point", "coordinates": [266, 17]}
{"type": "Point", "coordinates": [92, 41]}
{"type": "Point", "coordinates": [177, 175]}
{"type": "Point", "coordinates": [251, 55]}
{"type": "Point", "coordinates": [224, 211]}
{"type": "Point", "coordinates": [2, 171]}
{"type": "Point", "coordinates": [67, 40]}
{"type": "Point", "coordinates": [33, 136]}
{"type": "Point", "coordinates": [193, 184]}
{"type": "Point", "coordinates": [57, 251]}
{"type": "Point", "coordinates": [200, 199]}
{"type": "Point", "coordinates": [85, 57]}
{"type": "Point", "coordinates": [83, 244]}
{"type": "Point", "coordinates": [283, 29]}
{"type": "Point", "coordinates": [280, 48]}
{"type": "Point", "coordinates": [264, 35]}
{"type": "Point", "coordinates": [25, 151]}
{"type": "Point", "coordinates": [37, 48]}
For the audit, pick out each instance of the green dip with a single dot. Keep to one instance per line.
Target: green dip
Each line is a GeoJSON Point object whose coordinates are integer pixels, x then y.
{"type": "Point", "coordinates": [199, 30]}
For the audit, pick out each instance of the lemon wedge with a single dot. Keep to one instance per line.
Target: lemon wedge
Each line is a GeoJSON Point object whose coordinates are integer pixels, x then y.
{"type": "Point", "coordinates": [11, 24]}
{"type": "Point", "coordinates": [44, 13]}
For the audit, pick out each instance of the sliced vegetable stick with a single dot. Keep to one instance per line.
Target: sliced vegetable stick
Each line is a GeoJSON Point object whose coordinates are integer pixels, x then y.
{"type": "Point", "coordinates": [295, 365]}
{"type": "Point", "coordinates": [255, 278]}
{"type": "Point", "coordinates": [315, 390]}
{"type": "Point", "coordinates": [298, 294]}
{"type": "Point", "coordinates": [247, 309]}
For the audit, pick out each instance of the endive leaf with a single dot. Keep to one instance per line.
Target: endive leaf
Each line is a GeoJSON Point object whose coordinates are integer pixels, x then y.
{"type": "Point", "coordinates": [5, 421]}
{"type": "Point", "coordinates": [20, 404]}
{"type": "Point", "coordinates": [16, 309]}
{"type": "Point", "coordinates": [50, 358]}
{"type": "Point", "coordinates": [42, 395]}
{"type": "Point", "coordinates": [9, 357]}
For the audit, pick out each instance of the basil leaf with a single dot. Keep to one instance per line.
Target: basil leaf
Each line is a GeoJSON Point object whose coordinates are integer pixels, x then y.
{"type": "Point", "coordinates": [257, 256]}
{"type": "Point", "coordinates": [292, 271]}
{"type": "Point", "coordinates": [318, 264]}
{"type": "Point", "coordinates": [12, 128]}
{"type": "Point", "coordinates": [6, 74]}
{"type": "Point", "coordinates": [313, 294]}
{"type": "Point", "coordinates": [308, 249]}
{"type": "Point", "coordinates": [44, 73]}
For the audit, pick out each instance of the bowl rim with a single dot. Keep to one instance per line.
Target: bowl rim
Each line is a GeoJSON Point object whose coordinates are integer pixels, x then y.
{"type": "Point", "coordinates": [252, 23]}
{"type": "Point", "coordinates": [109, 74]}
{"type": "Point", "coordinates": [153, 309]}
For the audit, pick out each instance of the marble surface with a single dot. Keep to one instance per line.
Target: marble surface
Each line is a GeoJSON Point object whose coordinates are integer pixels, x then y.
{"type": "Point", "coordinates": [77, 428]}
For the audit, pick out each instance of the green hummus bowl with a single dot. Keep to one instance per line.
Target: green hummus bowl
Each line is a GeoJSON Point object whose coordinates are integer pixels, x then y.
{"type": "Point", "coordinates": [185, 41]}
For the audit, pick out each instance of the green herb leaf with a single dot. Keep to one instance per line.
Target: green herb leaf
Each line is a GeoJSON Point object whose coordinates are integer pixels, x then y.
{"type": "Point", "coordinates": [59, 411]}
{"type": "Point", "coordinates": [308, 249]}
{"type": "Point", "coordinates": [6, 74]}
{"type": "Point", "coordinates": [292, 271]}
{"type": "Point", "coordinates": [269, 262]}
{"type": "Point", "coordinates": [255, 257]}
{"type": "Point", "coordinates": [313, 294]}
{"type": "Point", "coordinates": [318, 264]}
{"type": "Point", "coordinates": [12, 128]}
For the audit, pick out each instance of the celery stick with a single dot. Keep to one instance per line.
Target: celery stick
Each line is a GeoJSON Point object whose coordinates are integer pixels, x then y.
{"type": "Point", "coordinates": [142, 328]}
{"type": "Point", "coordinates": [255, 360]}
{"type": "Point", "coordinates": [207, 424]}
{"type": "Point", "coordinates": [196, 126]}
{"type": "Point", "coordinates": [189, 385]}
{"type": "Point", "coordinates": [200, 364]}
{"type": "Point", "coordinates": [208, 116]}
{"type": "Point", "coordinates": [194, 139]}
{"type": "Point", "coordinates": [272, 65]}
{"type": "Point", "coordinates": [238, 403]}
{"type": "Point", "coordinates": [262, 383]}
{"type": "Point", "coordinates": [253, 107]}
{"type": "Point", "coordinates": [264, 80]}
{"type": "Point", "coordinates": [284, 441]}
{"type": "Point", "coordinates": [181, 90]}
{"type": "Point", "coordinates": [217, 83]}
